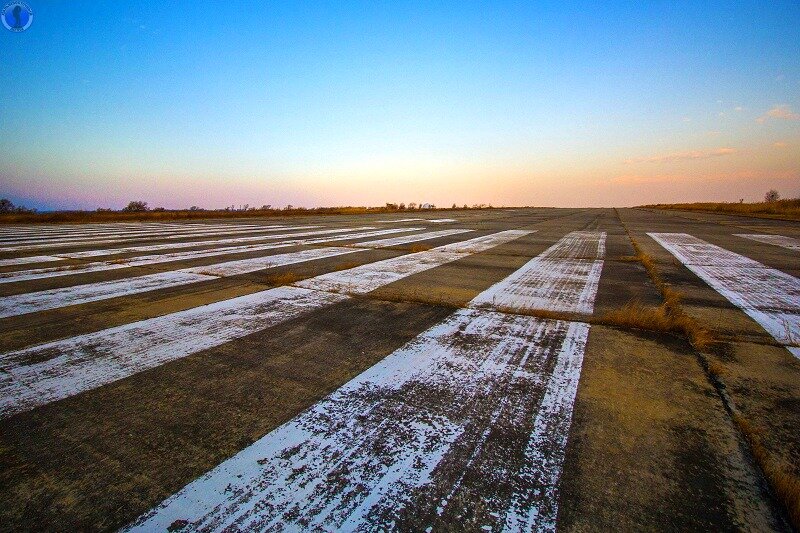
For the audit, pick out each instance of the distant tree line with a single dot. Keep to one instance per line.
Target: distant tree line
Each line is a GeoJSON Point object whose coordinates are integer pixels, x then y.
{"type": "Point", "coordinates": [139, 206]}
{"type": "Point", "coordinates": [7, 206]}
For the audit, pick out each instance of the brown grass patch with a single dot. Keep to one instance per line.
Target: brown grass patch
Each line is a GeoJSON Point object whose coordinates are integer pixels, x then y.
{"type": "Point", "coordinates": [283, 278]}
{"type": "Point", "coordinates": [635, 315]}
{"type": "Point", "coordinates": [664, 318]}
{"type": "Point", "coordinates": [716, 369]}
{"type": "Point", "coordinates": [786, 209]}
{"type": "Point", "coordinates": [186, 214]}
{"type": "Point", "coordinates": [785, 485]}
{"type": "Point", "coordinates": [419, 248]}
{"type": "Point", "coordinates": [674, 317]}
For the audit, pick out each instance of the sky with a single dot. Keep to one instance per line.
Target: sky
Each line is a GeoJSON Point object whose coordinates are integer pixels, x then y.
{"type": "Point", "coordinates": [362, 103]}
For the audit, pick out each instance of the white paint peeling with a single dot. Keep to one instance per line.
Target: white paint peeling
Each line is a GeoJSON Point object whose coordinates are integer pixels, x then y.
{"type": "Point", "coordinates": [386, 446]}
{"type": "Point", "coordinates": [410, 437]}
{"type": "Point", "coordinates": [100, 266]}
{"type": "Point", "coordinates": [769, 296]}
{"type": "Point", "coordinates": [395, 241]}
{"type": "Point", "coordinates": [63, 242]}
{"type": "Point", "coordinates": [366, 278]}
{"type": "Point", "coordinates": [32, 302]}
{"type": "Point", "coordinates": [92, 292]}
{"type": "Point", "coordinates": [212, 242]}
{"type": "Point", "coordinates": [53, 371]}
{"type": "Point", "coordinates": [30, 259]}
{"type": "Point", "coordinates": [41, 374]}
{"type": "Point", "coordinates": [534, 505]}
{"type": "Point", "coordinates": [554, 280]}
{"type": "Point", "coordinates": [778, 240]}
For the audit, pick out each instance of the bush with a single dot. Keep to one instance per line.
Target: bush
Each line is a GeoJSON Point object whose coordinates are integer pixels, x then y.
{"type": "Point", "coordinates": [137, 206]}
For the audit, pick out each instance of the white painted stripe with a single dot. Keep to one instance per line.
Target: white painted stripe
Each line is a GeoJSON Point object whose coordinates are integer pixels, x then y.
{"type": "Point", "coordinates": [100, 266]}
{"type": "Point", "coordinates": [441, 220]}
{"type": "Point", "coordinates": [87, 241]}
{"type": "Point", "coordinates": [396, 441]}
{"type": "Point", "coordinates": [366, 278]}
{"type": "Point", "coordinates": [406, 239]}
{"type": "Point", "coordinates": [534, 504]}
{"type": "Point", "coordinates": [399, 220]}
{"type": "Point", "coordinates": [81, 363]}
{"type": "Point", "coordinates": [30, 259]}
{"type": "Point", "coordinates": [117, 227]}
{"type": "Point", "coordinates": [33, 236]}
{"type": "Point", "coordinates": [553, 281]}
{"type": "Point", "coordinates": [42, 374]}
{"type": "Point", "coordinates": [778, 240]}
{"type": "Point", "coordinates": [122, 232]}
{"type": "Point", "coordinates": [92, 292]}
{"type": "Point", "coordinates": [213, 242]}
{"type": "Point", "coordinates": [32, 302]}
{"type": "Point", "coordinates": [769, 296]}
{"type": "Point", "coordinates": [245, 266]}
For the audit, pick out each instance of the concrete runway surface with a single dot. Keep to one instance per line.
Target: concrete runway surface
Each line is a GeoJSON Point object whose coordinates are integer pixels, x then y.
{"type": "Point", "coordinates": [414, 371]}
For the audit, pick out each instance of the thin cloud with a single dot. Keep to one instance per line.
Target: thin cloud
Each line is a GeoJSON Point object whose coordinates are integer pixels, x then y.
{"type": "Point", "coordinates": [682, 156]}
{"type": "Point", "coordinates": [781, 112]}
{"type": "Point", "coordinates": [780, 144]}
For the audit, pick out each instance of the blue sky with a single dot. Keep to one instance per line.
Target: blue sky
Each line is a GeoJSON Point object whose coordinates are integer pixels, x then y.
{"type": "Point", "coordinates": [334, 103]}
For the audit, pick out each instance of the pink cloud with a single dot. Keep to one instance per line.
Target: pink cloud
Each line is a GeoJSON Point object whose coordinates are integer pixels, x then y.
{"type": "Point", "coordinates": [682, 156]}
{"type": "Point", "coordinates": [782, 112]}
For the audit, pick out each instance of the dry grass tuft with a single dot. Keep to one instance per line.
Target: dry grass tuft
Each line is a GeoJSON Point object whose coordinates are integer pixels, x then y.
{"type": "Point", "coordinates": [785, 485]}
{"type": "Point", "coordinates": [716, 369]}
{"type": "Point", "coordinates": [675, 318]}
{"type": "Point", "coordinates": [284, 278]}
{"type": "Point", "coordinates": [666, 318]}
{"type": "Point", "coordinates": [419, 248]}
{"type": "Point", "coordinates": [635, 315]}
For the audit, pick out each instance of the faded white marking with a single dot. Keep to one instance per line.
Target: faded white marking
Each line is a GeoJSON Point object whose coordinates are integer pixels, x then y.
{"type": "Point", "coordinates": [769, 296]}
{"type": "Point", "coordinates": [369, 277]}
{"type": "Point", "coordinates": [125, 230]}
{"type": "Point", "coordinates": [212, 242]}
{"type": "Point", "coordinates": [127, 235]}
{"type": "Point", "coordinates": [392, 444]}
{"type": "Point", "coordinates": [778, 240]}
{"type": "Point", "coordinates": [100, 266]}
{"type": "Point", "coordinates": [441, 220]}
{"type": "Point", "coordinates": [30, 259]}
{"type": "Point", "coordinates": [53, 371]}
{"type": "Point", "coordinates": [556, 280]}
{"type": "Point", "coordinates": [406, 239]}
{"type": "Point", "coordinates": [534, 505]}
{"type": "Point", "coordinates": [432, 428]}
{"type": "Point", "coordinates": [42, 374]}
{"type": "Point", "coordinates": [88, 241]}
{"type": "Point", "coordinates": [244, 266]}
{"type": "Point", "coordinates": [32, 302]}
{"type": "Point", "coordinates": [92, 292]}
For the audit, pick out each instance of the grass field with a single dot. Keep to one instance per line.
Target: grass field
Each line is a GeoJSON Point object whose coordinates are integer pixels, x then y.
{"type": "Point", "coordinates": [781, 209]}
